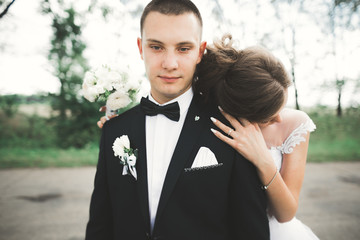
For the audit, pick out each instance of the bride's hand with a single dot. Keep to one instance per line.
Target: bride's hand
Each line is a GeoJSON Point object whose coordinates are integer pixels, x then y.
{"type": "Point", "coordinates": [245, 137]}
{"type": "Point", "coordinates": [103, 119]}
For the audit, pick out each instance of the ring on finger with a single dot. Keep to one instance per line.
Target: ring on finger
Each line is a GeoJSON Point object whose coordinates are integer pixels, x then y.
{"type": "Point", "coordinates": [230, 131]}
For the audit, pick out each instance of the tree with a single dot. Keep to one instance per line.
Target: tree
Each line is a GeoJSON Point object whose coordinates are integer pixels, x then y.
{"type": "Point", "coordinates": [340, 15]}
{"type": "Point", "coordinates": [290, 26]}
{"type": "Point", "coordinates": [9, 104]}
{"type": "Point", "coordinates": [6, 9]}
{"type": "Point", "coordinates": [352, 6]}
{"type": "Point", "coordinates": [76, 117]}
{"type": "Point", "coordinates": [349, 10]}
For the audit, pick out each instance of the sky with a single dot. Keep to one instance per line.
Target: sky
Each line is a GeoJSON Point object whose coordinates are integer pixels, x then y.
{"type": "Point", "coordinates": [23, 63]}
{"type": "Point", "coordinates": [25, 41]}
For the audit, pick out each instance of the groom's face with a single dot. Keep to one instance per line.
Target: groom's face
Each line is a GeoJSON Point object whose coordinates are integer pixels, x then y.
{"type": "Point", "coordinates": [171, 48]}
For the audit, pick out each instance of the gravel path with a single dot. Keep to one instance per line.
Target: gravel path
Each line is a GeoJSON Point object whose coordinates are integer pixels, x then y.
{"type": "Point", "coordinates": [52, 204]}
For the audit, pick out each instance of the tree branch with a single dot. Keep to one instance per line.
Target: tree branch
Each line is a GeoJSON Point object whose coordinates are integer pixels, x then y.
{"type": "Point", "coordinates": [6, 9]}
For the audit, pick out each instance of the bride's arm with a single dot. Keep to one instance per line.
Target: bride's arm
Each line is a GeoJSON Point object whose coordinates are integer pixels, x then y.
{"type": "Point", "coordinates": [283, 192]}
{"type": "Point", "coordinates": [291, 177]}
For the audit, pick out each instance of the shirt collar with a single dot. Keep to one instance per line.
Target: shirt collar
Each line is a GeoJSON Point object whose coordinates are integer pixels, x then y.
{"type": "Point", "coordinates": [184, 100]}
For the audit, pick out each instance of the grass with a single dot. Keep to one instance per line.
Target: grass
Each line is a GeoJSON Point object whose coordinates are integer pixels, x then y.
{"type": "Point", "coordinates": [47, 157]}
{"type": "Point", "coordinates": [335, 139]}
{"type": "Point", "coordinates": [319, 151]}
{"type": "Point", "coordinates": [334, 151]}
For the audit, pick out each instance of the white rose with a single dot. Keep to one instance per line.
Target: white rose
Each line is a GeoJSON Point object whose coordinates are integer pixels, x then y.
{"type": "Point", "coordinates": [120, 144]}
{"type": "Point", "coordinates": [102, 72]}
{"type": "Point", "coordinates": [125, 141]}
{"type": "Point", "coordinates": [89, 92]}
{"type": "Point", "coordinates": [114, 77]}
{"type": "Point", "coordinates": [108, 81]}
{"type": "Point", "coordinates": [133, 84]}
{"type": "Point", "coordinates": [132, 160]}
{"type": "Point", "coordinates": [99, 89]}
{"type": "Point", "coordinates": [119, 87]}
{"type": "Point", "coordinates": [117, 100]}
{"type": "Point", "coordinates": [89, 78]}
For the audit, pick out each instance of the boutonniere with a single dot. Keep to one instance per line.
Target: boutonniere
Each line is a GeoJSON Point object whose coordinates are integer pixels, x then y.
{"type": "Point", "coordinates": [127, 155]}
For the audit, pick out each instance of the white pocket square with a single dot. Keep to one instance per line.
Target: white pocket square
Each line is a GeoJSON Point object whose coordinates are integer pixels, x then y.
{"type": "Point", "coordinates": [204, 158]}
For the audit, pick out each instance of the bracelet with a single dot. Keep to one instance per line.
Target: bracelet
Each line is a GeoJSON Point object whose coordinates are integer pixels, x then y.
{"type": "Point", "coordinates": [267, 186]}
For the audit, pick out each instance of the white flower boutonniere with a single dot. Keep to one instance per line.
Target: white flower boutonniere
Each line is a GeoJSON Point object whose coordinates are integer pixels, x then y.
{"type": "Point", "coordinates": [127, 155]}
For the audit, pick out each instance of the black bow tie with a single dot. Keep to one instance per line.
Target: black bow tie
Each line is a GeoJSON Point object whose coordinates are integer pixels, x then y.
{"type": "Point", "coordinates": [171, 111]}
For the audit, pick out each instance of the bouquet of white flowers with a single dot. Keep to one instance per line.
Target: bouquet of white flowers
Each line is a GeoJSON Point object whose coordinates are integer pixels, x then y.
{"type": "Point", "coordinates": [112, 86]}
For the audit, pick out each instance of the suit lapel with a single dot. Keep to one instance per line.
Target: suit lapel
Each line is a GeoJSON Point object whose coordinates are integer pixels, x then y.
{"type": "Point", "coordinates": [188, 138]}
{"type": "Point", "coordinates": [138, 128]}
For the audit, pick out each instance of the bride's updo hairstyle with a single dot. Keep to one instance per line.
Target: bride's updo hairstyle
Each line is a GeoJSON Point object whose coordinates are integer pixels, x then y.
{"type": "Point", "coordinates": [249, 83]}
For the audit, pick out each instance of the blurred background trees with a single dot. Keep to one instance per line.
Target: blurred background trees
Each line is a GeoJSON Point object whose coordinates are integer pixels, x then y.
{"type": "Point", "coordinates": [316, 39]}
{"type": "Point", "coordinates": [75, 117]}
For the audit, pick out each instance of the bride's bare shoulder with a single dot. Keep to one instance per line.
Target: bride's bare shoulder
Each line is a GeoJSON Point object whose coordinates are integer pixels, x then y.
{"type": "Point", "coordinates": [275, 134]}
{"type": "Point", "coordinates": [293, 116]}
{"type": "Point", "coordinates": [292, 119]}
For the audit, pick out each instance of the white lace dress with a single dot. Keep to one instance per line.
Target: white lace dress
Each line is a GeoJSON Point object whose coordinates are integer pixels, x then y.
{"type": "Point", "coordinates": [294, 229]}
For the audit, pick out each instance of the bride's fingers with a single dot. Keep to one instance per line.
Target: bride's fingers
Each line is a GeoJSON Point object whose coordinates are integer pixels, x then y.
{"type": "Point", "coordinates": [223, 127]}
{"type": "Point", "coordinates": [103, 119]}
{"type": "Point", "coordinates": [233, 121]}
{"type": "Point", "coordinates": [100, 124]}
{"type": "Point", "coordinates": [244, 122]}
{"type": "Point", "coordinates": [222, 137]}
{"type": "Point", "coordinates": [256, 126]}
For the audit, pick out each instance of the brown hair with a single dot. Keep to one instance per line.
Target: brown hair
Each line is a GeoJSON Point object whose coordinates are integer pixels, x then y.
{"type": "Point", "coordinates": [170, 7]}
{"type": "Point", "coordinates": [249, 83]}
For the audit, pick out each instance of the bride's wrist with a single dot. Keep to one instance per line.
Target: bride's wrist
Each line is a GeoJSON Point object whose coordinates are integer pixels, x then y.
{"type": "Point", "coordinates": [265, 169]}
{"type": "Point", "coordinates": [264, 162]}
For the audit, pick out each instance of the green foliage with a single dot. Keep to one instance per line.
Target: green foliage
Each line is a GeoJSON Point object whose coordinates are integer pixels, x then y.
{"type": "Point", "coordinates": [30, 141]}
{"type": "Point", "coordinates": [26, 131]}
{"type": "Point", "coordinates": [33, 131]}
{"type": "Point", "coordinates": [335, 139]}
{"type": "Point", "coordinates": [330, 127]}
{"type": "Point", "coordinates": [9, 104]}
{"type": "Point", "coordinates": [48, 157]}
{"type": "Point", "coordinates": [334, 150]}
{"type": "Point", "coordinates": [74, 123]}
{"type": "Point", "coordinates": [353, 5]}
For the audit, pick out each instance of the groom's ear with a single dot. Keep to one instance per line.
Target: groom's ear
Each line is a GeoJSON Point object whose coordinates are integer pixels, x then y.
{"type": "Point", "coordinates": [201, 51]}
{"type": "Point", "coordinates": [139, 43]}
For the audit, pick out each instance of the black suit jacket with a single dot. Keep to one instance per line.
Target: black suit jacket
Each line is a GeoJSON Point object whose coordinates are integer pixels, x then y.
{"type": "Point", "coordinates": [224, 202]}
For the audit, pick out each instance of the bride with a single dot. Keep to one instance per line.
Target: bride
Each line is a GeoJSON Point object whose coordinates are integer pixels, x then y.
{"type": "Point", "coordinates": [250, 88]}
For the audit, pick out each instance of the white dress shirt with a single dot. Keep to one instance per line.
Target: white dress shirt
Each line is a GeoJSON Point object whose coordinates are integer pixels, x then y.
{"type": "Point", "coordinates": [162, 135]}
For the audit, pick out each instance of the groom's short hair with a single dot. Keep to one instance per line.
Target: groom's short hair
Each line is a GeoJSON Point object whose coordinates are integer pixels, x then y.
{"type": "Point", "coordinates": [170, 7]}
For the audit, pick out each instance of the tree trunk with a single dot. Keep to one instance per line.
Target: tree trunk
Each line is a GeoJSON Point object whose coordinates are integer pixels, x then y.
{"type": "Point", "coordinates": [293, 61]}
{"type": "Point", "coordinates": [339, 84]}
{"type": "Point", "coordinates": [339, 109]}
{"type": "Point", "coordinates": [6, 9]}
{"type": "Point", "coordinates": [296, 92]}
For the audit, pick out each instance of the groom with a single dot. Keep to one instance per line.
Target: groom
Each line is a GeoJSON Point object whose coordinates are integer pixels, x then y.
{"type": "Point", "coordinates": [189, 185]}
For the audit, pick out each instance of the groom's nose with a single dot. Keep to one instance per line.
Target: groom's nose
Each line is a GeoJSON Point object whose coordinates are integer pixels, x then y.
{"type": "Point", "coordinates": [169, 61]}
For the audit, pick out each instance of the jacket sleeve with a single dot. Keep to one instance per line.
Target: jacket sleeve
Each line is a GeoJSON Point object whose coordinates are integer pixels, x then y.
{"type": "Point", "coordinates": [100, 224]}
{"type": "Point", "coordinates": [248, 203]}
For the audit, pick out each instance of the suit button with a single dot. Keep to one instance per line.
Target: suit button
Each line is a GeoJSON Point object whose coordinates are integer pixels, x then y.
{"type": "Point", "coordinates": [148, 236]}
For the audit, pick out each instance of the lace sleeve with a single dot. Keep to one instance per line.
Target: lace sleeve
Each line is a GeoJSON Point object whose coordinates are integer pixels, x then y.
{"type": "Point", "coordinates": [296, 137]}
